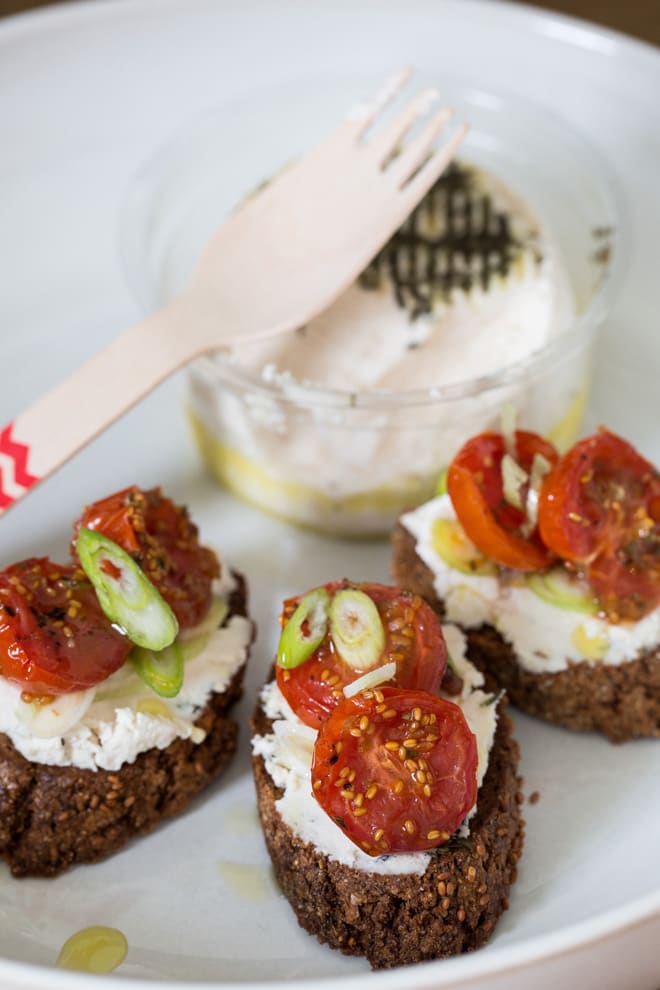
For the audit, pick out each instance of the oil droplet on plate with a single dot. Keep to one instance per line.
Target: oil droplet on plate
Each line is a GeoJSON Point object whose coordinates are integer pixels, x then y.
{"type": "Point", "coordinates": [241, 818]}
{"type": "Point", "coordinates": [250, 881]}
{"type": "Point", "coordinates": [94, 950]}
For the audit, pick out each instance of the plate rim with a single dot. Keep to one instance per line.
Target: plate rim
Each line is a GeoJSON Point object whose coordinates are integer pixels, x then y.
{"type": "Point", "coordinates": [440, 973]}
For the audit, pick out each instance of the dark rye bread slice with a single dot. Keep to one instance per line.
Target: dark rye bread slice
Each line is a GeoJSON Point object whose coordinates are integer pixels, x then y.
{"type": "Point", "coordinates": [620, 700]}
{"type": "Point", "coordinates": [396, 920]}
{"type": "Point", "coordinates": [53, 817]}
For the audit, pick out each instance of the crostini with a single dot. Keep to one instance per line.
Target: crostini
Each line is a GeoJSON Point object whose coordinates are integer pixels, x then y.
{"type": "Point", "coordinates": [118, 672]}
{"type": "Point", "coordinates": [551, 565]}
{"type": "Point", "coordinates": [387, 778]}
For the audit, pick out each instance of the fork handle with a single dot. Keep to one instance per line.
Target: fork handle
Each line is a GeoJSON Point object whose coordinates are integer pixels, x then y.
{"type": "Point", "coordinates": [44, 436]}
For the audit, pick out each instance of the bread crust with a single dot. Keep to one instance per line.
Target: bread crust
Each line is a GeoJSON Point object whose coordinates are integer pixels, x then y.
{"type": "Point", "coordinates": [53, 817]}
{"type": "Point", "coordinates": [620, 700]}
{"type": "Point", "coordinates": [399, 919]}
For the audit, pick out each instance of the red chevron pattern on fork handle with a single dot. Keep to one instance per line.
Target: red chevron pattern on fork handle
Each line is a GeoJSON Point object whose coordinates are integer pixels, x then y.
{"type": "Point", "coordinates": [15, 479]}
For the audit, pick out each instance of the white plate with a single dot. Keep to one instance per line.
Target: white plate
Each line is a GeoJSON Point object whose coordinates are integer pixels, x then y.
{"type": "Point", "coordinates": [86, 92]}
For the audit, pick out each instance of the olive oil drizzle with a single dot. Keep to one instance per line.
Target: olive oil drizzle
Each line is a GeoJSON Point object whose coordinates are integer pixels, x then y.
{"type": "Point", "coordinates": [96, 949]}
{"type": "Point", "coordinates": [455, 239]}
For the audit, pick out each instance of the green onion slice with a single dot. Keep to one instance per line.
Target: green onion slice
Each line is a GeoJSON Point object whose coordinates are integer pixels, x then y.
{"type": "Point", "coordinates": [161, 670]}
{"type": "Point", "coordinates": [441, 487]}
{"type": "Point", "coordinates": [356, 628]}
{"type": "Point", "coordinates": [126, 595]}
{"type": "Point", "coordinates": [305, 630]}
{"type": "Point", "coordinates": [514, 478]}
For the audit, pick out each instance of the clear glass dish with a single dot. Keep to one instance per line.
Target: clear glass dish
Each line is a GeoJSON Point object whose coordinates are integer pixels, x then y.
{"type": "Point", "coordinates": [342, 460]}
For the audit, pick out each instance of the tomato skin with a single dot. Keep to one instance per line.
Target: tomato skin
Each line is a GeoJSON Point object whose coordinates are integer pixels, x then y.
{"type": "Point", "coordinates": [395, 798]}
{"type": "Point", "coordinates": [54, 638]}
{"type": "Point", "coordinates": [164, 542]}
{"type": "Point", "coordinates": [599, 508]}
{"type": "Point", "coordinates": [474, 484]}
{"type": "Point", "coordinates": [419, 650]}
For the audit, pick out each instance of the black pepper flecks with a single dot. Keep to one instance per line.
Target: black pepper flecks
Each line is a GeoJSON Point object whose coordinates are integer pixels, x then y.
{"type": "Point", "coordinates": [456, 238]}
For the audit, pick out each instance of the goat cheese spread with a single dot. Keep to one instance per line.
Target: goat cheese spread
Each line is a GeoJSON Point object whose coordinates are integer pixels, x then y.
{"type": "Point", "coordinates": [471, 284]}
{"type": "Point", "coordinates": [112, 723]}
{"type": "Point", "coordinates": [287, 753]}
{"type": "Point", "coordinates": [546, 638]}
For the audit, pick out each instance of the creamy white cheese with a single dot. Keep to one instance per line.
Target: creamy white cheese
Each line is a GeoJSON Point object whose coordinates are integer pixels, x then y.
{"type": "Point", "coordinates": [545, 637]}
{"type": "Point", "coordinates": [280, 439]}
{"type": "Point", "coordinates": [366, 340]}
{"type": "Point", "coordinates": [112, 723]}
{"type": "Point", "coordinates": [287, 753]}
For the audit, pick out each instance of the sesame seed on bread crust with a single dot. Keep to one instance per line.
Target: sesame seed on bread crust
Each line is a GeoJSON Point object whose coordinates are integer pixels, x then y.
{"type": "Point", "coordinates": [620, 700]}
{"type": "Point", "coordinates": [52, 817]}
{"type": "Point", "coordinates": [400, 919]}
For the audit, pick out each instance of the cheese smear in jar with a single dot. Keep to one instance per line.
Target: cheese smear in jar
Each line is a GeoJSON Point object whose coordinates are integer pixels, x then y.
{"type": "Point", "coordinates": [470, 285]}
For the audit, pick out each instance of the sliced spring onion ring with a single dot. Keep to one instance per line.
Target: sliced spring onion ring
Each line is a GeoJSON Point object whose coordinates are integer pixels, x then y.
{"type": "Point", "coordinates": [540, 467]}
{"type": "Point", "coordinates": [514, 478]}
{"type": "Point", "coordinates": [126, 595]}
{"type": "Point", "coordinates": [441, 487]}
{"type": "Point", "coordinates": [371, 679]}
{"type": "Point", "coordinates": [57, 716]}
{"type": "Point", "coordinates": [356, 628]}
{"type": "Point", "coordinates": [161, 670]}
{"type": "Point", "coordinates": [305, 630]}
{"type": "Point", "coordinates": [214, 618]}
{"type": "Point", "coordinates": [559, 588]}
{"type": "Point", "coordinates": [456, 549]}
{"type": "Point", "coordinates": [508, 428]}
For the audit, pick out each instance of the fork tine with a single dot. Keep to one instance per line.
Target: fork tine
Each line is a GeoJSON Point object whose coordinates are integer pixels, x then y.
{"type": "Point", "coordinates": [420, 181]}
{"type": "Point", "coordinates": [413, 155]}
{"type": "Point", "coordinates": [362, 116]}
{"type": "Point", "coordinates": [385, 144]}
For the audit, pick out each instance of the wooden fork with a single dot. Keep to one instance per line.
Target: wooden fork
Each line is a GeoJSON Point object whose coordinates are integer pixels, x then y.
{"type": "Point", "coordinates": [273, 265]}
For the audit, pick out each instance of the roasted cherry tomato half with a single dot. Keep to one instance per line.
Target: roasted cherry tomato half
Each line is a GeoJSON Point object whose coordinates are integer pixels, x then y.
{"type": "Point", "coordinates": [476, 489]}
{"type": "Point", "coordinates": [396, 770]}
{"type": "Point", "coordinates": [54, 638]}
{"type": "Point", "coordinates": [599, 508]}
{"type": "Point", "coordinates": [411, 638]}
{"type": "Point", "coordinates": [163, 541]}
